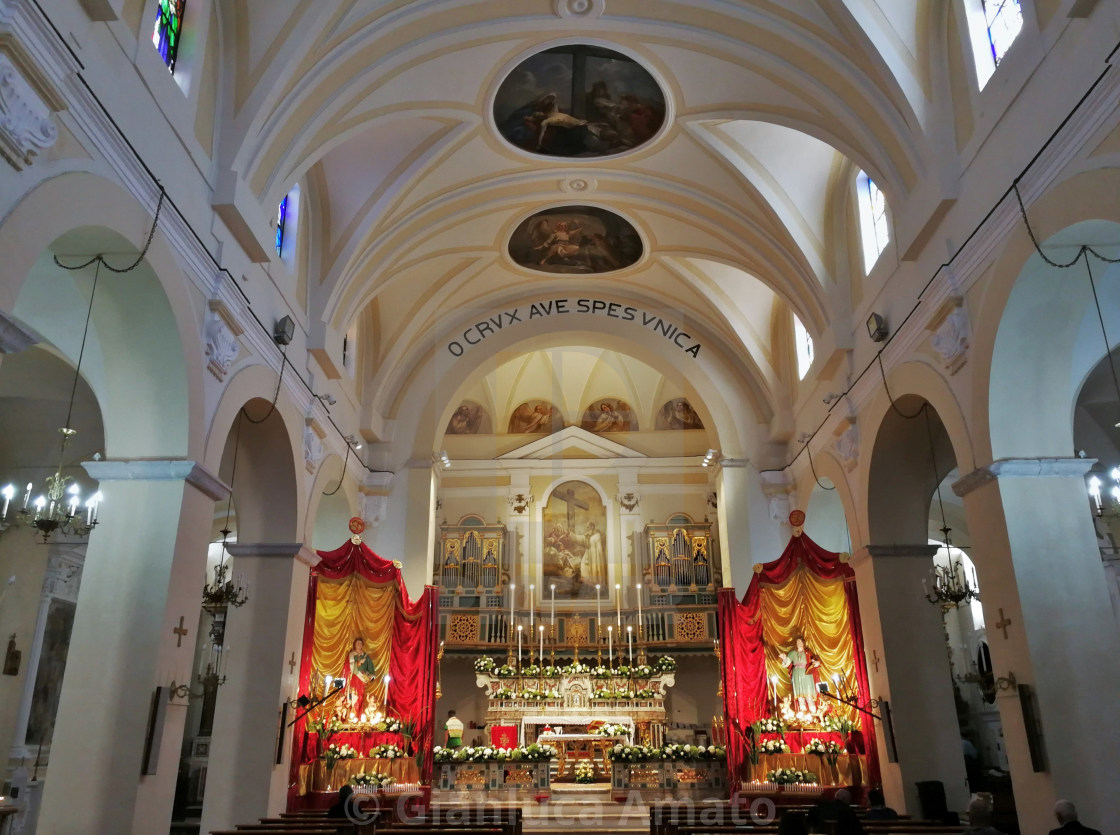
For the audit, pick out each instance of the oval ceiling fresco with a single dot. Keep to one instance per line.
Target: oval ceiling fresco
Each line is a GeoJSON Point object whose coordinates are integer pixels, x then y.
{"type": "Point", "coordinates": [579, 101]}
{"type": "Point", "coordinates": [581, 240]}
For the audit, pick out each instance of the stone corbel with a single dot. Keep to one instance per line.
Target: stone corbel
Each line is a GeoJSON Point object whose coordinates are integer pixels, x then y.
{"type": "Point", "coordinates": [28, 102]}
{"type": "Point", "coordinates": [220, 335]}
{"type": "Point", "coordinates": [777, 487]}
{"type": "Point", "coordinates": [373, 507]}
{"type": "Point", "coordinates": [949, 334]}
{"type": "Point", "coordinates": [313, 434]}
{"type": "Point", "coordinates": [519, 503]}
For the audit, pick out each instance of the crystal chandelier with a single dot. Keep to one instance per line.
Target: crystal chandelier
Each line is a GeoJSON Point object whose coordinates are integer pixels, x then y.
{"type": "Point", "coordinates": [60, 507]}
{"type": "Point", "coordinates": [224, 592]}
{"type": "Point", "coordinates": [950, 585]}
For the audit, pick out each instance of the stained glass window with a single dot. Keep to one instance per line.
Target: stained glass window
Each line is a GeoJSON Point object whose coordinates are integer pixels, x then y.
{"type": "Point", "coordinates": [1004, 19]}
{"type": "Point", "coordinates": [874, 227]}
{"type": "Point", "coordinates": [281, 218]}
{"type": "Point", "coordinates": [169, 27]}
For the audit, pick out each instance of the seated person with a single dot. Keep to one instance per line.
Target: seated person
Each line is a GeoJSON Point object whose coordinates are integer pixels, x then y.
{"type": "Point", "coordinates": [1066, 813]}
{"type": "Point", "coordinates": [341, 808]}
{"type": "Point", "coordinates": [879, 810]}
{"type": "Point", "coordinates": [980, 818]}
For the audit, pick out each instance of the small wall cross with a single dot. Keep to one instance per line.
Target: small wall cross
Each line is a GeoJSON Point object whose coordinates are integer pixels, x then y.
{"type": "Point", "coordinates": [180, 631]}
{"type": "Point", "coordinates": [875, 659]}
{"type": "Point", "coordinates": [292, 662]}
{"type": "Point", "coordinates": [1003, 623]}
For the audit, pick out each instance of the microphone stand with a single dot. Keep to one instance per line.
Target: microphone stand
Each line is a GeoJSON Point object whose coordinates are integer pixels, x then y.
{"type": "Point", "coordinates": [865, 710]}
{"type": "Point", "coordinates": [334, 692]}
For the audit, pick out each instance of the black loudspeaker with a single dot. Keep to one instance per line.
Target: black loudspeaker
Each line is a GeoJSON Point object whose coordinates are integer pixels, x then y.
{"type": "Point", "coordinates": [1033, 727]}
{"type": "Point", "coordinates": [931, 799]}
{"type": "Point", "coordinates": [888, 731]}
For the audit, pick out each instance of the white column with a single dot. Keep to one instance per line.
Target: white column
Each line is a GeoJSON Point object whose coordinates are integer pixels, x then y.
{"type": "Point", "coordinates": [753, 527]}
{"type": "Point", "coordinates": [408, 531]}
{"type": "Point", "coordinates": [1043, 584]}
{"type": "Point", "coordinates": [243, 781]}
{"type": "Point", "coordinates": [917, 679]}
{"type": "Point", "coordinates": [117, 650]}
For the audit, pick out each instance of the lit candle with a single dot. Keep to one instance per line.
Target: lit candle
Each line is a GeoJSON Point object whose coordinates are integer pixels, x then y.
{"type": "Point", "coordinates": [8, 493]}
{"type": "Point", "coordinates": [618, 600]}
{"type": "Point", "coordinates": [97, 497]}
{"type": "Point", "coordinates": [542, 645]}
{"type": "Point", "coordinates": [639, 590]}
{"type": "Point", "coordinates": [630, 643]}
{"type": "Point", "coordinates": [326, 681]}
{"type": "Point", "coordinates": [27, 496]}
{"type": "Point", "coordinates": [532, 589]}
{"type": "Point", "coordinates": [553, 587]}
{"type": "Point", "coordinates": [386, 681]}
{"type": "Point", "coordinates": [519, 646]}
{"type": "Point", "coordinates": [610, 647]}
{"type": "Point", "coordinates": [774, 688]}
{"type": "Point", "coordinates": [40, 503]}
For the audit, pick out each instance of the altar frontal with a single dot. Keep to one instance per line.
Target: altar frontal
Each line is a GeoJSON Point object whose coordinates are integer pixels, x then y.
{"type": "Point", "coordinates": [368, 672]}
{"type": "Point", "coordinates": [794, 674]}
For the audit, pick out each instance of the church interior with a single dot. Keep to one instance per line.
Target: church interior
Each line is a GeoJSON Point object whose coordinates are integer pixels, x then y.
{"type": "Point", "coordinates": [583, 406]}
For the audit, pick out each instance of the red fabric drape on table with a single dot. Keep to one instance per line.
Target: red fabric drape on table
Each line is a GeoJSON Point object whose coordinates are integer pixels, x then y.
{"type": "Point", "coordinates": [412, 663]}
{"type": "Point", "coordinates": [744, 660]}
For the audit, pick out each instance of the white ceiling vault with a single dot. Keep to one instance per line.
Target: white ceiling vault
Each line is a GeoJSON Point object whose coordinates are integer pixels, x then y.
{"type": "Point", "coordinates": [381, 111]}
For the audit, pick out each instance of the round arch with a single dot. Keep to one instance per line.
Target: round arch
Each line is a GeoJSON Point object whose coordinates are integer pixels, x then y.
{"type": "Point", "coordinates": [330, 505]}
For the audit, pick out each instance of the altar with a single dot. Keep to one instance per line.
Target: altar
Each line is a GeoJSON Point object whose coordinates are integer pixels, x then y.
{"type": "Point", "coordinates": [575, 748]}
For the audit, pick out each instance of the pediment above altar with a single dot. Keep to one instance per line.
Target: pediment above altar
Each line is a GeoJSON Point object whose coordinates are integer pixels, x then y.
{"type": "Point", "coordinates": [571, 442]}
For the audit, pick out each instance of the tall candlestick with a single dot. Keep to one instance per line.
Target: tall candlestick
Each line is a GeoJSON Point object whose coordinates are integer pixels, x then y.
{"type": "Point", "coordinates": [610, 647]}
{"type": "Point", "coordinates": [598, 613]}
{"type": "Point", "coordinates": [512, 588]}
{"type": "Point", "coordinates": [639, 590]}
{"type": "Point", "coordinates": [532, 589]}
{"type": "Point", "coordinates": [387, 679]}
{"type": "Point", "coordinates": [630, 643]}
{"type": "Point", "coordinates": [618, 600]}
{"type": "Point", "coordinates": [553, 587]}
{"type": "Point", "coordinates": [542, 645]}
{"type": "Point", "coordinates": [519, 647]}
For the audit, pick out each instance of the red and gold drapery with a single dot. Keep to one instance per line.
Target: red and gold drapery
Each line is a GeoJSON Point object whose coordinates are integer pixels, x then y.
{"type": "Point", "coordinates": [806, 592]}
{"type": "Point", "coordinates": [355, 593]}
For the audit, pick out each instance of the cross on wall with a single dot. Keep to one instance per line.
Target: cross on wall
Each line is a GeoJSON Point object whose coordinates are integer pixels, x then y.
{"type": "Point", "coordinates": [1003, 622]}
{"type": "Point", "coordinates": [292, 662]}
{"type": "Point", "coordinates": [875, 659]}
{"type": "Point", "coordinates": [180, 631]}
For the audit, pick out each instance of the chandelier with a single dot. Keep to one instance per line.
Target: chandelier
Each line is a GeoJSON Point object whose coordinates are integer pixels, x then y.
{"type": "Point", "coordinates": [1100, 505]}
{"type": "Point", "coordinates": [948, 586]}
{"type": "Point", "coordinates": [224, 592]}
{"type": "Point", "coordinates": [59, 508]}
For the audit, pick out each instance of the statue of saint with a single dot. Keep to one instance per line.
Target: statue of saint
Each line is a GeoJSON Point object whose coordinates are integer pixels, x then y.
{"type": "Point", "coordinates": [801, 665]}
{"type": "Point", "coordinates": [358, 673]}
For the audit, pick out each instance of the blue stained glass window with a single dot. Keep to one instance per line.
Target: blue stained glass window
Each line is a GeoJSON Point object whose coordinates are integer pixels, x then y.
{"type": "Point", "coordinates": [169, 27]}
{"type": "Point", "coordinates": [1004, 19]}
{"type": "Point", "coordinates": [281, 217]}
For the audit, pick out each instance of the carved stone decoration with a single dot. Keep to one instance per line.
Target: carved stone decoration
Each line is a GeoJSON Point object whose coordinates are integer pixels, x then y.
{"type": "Point", "coordinates": [950, 334]}
{"type": "Point", "coordinates": [779, 508]}
{"type": "Point", "coordinates": [713, 501]}
{"type": "Point", "coordinates": [312, 447]}
{"type": "Point", "coordinates": [580, 9]}
{"type": "Point", "coordinates": [64, 577]}
{"type": "Point", "coordinates": [222, 346]}
{"type": "Point", "coordinates": [846, 444]}
{"type": "Point", "coordinates": [629, 501]}
{"type": "Point", "coordinates": [26, 126]}
{"type": "Point", "coordinates": [373, 508]}
{"type": "Point", "coordinates": [578, 185]}
{"type": "Point", "coordinates": [519, 502]}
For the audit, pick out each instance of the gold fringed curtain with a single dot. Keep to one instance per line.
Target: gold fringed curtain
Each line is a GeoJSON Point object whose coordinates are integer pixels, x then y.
{"type": "Point", "coordinates": [348, 609]}
{"type": "Point", "coordinates": [816, 609]}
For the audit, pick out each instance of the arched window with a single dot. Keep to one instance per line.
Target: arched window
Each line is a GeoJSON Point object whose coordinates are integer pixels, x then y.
{"type": "Point", "coordinates": [168, 30]}
{"type": "Point", "coordinates": [993, 26]}
{"type": "Point", "coordinates": [873, 225]}
{"type": "Point", "coordinates": [287, 225]}
{"type": "Point", "coordinates": [804, 345]}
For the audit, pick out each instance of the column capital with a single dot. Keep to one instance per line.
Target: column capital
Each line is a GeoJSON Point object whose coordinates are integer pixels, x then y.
{"type": "Point", "coordinates": [292, 550]}
{"type": "Point", "coordinates": [161, 469]}
{"type": "Point", "coordinates": [1023, 468]}
{"type": "Point", "coordinates": [899, 550]}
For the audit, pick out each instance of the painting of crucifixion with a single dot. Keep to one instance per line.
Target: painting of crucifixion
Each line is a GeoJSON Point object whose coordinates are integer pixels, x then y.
{"type": "Point", "coordinates": [575, 541]}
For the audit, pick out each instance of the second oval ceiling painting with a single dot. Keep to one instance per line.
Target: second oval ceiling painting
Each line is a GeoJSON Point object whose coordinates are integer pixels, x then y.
{"type": "Point", "coordinates": [581, 240]}
{"type": "Point", "coordinates": [579, 101]}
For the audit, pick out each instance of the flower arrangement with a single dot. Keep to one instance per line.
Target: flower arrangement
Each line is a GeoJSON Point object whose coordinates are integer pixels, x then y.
{"type": "Point", "coordinates": [614, 695]}
{"type": "Point", "coordinates": [665, 664]}
{"type": "Point", "coordinates": [815, 747]}
{"type": "Point", "coordinates": [645, 754]}
{"type": "Point", "coordinates": [585, 772]}
{"type": "Point", "coordinates": [550, 671]}
{"type": "Point", "coordinates": [643, 671]}
{"type": "Point", "coordinates": [613, 730]}
{"type": "Point", "coordinates": [832, 752]}
{"type": "Point", "coordinates": [575, 669]}
{"type": "Point", "coordinates": [388, 751]}
{"type": "Point", "coordinates": [600, 672]}
{"type": "Point", "coordinates": [770, 726]}
{"type": "Point", "coordinates": [534, 695]}
{"type": "Point", "coordinates": [835, 723]}
{"type": "Point", "coordinates": [788, 776]}
{"type": "Point", "coordinates": [774, 746]}
{"type": "Point", "coordinates": [622, 671]}
{"type": "Point", "coordinates": [501, 693]}
{"type": "Point", "coordinates": [531, 671]}
{"type": "Point", "coordinates": [483, 754]}
{"type": "Point", "coordinates": [505, 671]}
{"type": "Point", "coordinates": [486, 664]}
{"type": "Point", "coordinates": [644, 693]}
{"type": "Point", "coordinates": [334, 753]}
{"type": "Point", "coordinates": [324, 726]}
{"type": "Point", "coordinates": [373, 780]}
{"type": "Point", "coordinates": [388, 726]}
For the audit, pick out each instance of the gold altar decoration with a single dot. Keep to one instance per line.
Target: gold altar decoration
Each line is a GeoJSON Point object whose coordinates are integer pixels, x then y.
{"type": "Point", "coordinates": [314, 776]}
{"type": "Point", "coordinates": [463, 629]}
{"type": "Point", "coordinates": [691, 626]}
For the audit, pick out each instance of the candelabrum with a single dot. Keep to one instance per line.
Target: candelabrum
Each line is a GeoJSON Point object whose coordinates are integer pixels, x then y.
{"type": "Point", "coordinates": [988, 683]}
{"type": "Point", "coordinates": [58, 509]}
{"type": "Point", "coordinates": [950, 586]}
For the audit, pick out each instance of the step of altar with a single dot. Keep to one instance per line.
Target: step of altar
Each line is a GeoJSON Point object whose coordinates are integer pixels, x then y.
{"type": "Point", "coordinates": [586, 808]}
